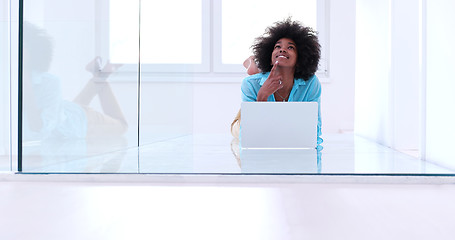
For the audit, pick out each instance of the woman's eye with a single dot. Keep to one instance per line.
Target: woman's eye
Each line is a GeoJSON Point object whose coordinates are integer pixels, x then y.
{"type": "Point", "coordinates": [291, 47]}
{"type": "Point", "coordinates": [277, 46]}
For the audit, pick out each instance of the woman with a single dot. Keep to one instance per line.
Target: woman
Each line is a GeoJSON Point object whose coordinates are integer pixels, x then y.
{"type": "Point", "coordinates": [283, 68]}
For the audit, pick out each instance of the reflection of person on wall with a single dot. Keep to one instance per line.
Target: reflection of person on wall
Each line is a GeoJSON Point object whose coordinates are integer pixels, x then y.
{"type": "Point", "coordinates": [46, 115]}
{"type": "Point", "coordinates": [55, 130]}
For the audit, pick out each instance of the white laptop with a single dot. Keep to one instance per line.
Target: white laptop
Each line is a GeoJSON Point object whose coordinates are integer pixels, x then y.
{"type": "Point", "coordinates": [279, 125]}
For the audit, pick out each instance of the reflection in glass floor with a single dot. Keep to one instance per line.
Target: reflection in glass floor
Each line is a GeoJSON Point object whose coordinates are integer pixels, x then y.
{"type": "Point", "coordinates": [219, 154]}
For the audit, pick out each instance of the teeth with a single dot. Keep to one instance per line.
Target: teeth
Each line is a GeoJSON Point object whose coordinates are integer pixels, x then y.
{"type": "Point", "coordinates": [282, 57]}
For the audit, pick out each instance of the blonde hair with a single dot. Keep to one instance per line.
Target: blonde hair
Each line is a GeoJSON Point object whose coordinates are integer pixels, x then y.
{"type": "Point", "coordinates": [235, 126]}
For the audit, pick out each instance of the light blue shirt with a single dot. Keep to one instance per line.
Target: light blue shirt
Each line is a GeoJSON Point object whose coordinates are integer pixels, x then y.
{"type": "Point", "coordinates": [302, 91]}
{"type": "Point", "coordinates": [60, 119]}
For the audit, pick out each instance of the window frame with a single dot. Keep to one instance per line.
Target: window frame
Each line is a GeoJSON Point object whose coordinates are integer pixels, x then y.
{"type": "Point", "coordinates": [204, 66]}
{"type": "Point", "coordinates": [211, 68]}
{"type": "Point", "coordinates": [219, 67]}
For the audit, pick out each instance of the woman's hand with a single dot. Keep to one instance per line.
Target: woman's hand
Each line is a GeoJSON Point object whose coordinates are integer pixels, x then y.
{"type": "Point", "coordinates": [271, 85]}
{"type": "Point", "coordinates": [101, 72]}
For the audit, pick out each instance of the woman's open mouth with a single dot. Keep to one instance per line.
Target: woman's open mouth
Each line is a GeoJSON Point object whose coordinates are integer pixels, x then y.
{"type": "Point", "coordinates": [281, 56]}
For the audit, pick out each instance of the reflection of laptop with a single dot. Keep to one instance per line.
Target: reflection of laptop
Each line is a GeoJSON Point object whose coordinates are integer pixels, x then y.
{"type": "Point", "coordinates": [279, 161]}
{"type": "Point", "coordinates": [279, 124]}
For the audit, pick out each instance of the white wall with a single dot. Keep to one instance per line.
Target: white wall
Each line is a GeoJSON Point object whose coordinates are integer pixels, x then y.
{"type": "Point", "coordinates": [4, 87]}
{"type": "Point", "coordinates": [405, 73]}
{"type": "Point", "coordinates": [372, 70]}
{"type": "Point", "coordinates": [440, 110]}
{"type": "Point", "coordinates": [388, 72]}
{"type": "Point", "coordinates": [404, 83]}
{"type": "Point", "coordinates": [338, 95]}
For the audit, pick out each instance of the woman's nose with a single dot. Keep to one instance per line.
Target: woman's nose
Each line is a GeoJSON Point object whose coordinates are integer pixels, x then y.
{"type": "Point", "coordinates": [282, 50]}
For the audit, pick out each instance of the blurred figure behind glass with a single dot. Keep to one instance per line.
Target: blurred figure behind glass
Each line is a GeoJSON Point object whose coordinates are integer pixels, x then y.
{"type": "Point", "coordinates": [46, 115]}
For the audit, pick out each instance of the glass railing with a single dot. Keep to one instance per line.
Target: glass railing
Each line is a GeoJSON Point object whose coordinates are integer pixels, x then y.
{"type": "Point", "coordinates": [107, 86]}
{"type": "Point", "coordinates": [78, 106]}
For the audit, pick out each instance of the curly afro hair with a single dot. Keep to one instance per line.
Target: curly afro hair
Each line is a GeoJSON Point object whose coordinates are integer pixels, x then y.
{"type": "Point", "coordinates": [305, 38]}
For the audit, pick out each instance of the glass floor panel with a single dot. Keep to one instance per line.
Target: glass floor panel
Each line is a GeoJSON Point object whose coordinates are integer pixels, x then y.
{"type": "Point", "coordinates": [220, 154]}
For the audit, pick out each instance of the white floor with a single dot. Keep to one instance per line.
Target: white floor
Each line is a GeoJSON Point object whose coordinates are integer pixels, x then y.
{"type": "Point", "coordinates": [174, 207]}
{"type": "Point", "coordinates": [376, 193]}
{"type": "Point", "coordinates": [219, 154]}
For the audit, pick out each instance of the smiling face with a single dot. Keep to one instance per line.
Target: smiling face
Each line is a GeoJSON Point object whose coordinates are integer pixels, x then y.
{"type": "Point", "coordinates": [285, 52]}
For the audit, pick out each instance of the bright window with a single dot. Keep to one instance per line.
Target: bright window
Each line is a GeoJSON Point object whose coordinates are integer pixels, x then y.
{"type": "Point", "coordinates": [200, 35]}
{"type": "Point", "coordinates": [241, 25]}
{"type": "Point", "coordinates": [123, 31]}
{"type": "Point", "coordinates": [170, 34]}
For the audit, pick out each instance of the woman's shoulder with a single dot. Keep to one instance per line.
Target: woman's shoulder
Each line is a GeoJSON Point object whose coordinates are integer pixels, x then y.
{"type": "Point", "coordinates": [311, 81]}
{"type": "Point", "coordinates": [314, 80]}
{"type": "Point", "coordinates": [256, 78]}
